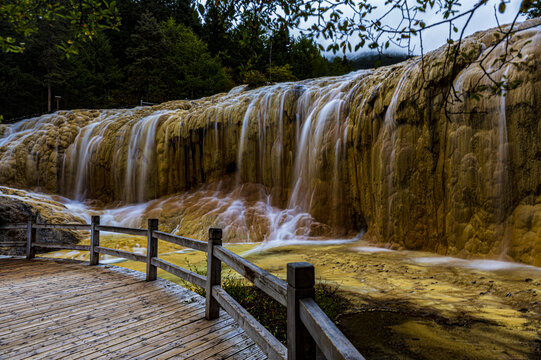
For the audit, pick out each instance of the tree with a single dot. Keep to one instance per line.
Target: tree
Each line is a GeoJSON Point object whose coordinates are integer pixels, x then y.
{"type": "Point", "coordinates": [21, 89]}
{"type": "Point", "coordinates": [87, 79]}
{"type": "Point", "coordinates": [306, 59]}
{"type": "Point", "coordinates": [535, 9]}
{"type": "Point", "coordinates": [147, 55]}
{"type": "Point", "coordinates": [190, 71]}
{"type": "Point", "coordinates": [21, 20]}
{"type": "Point", "coordinates": [94, 75]}
{"type": "Point", "coordinates": [217, 26]}
{"type": "Point", "coordinates": [349, 25]}
{"type": "Point", "coordinates": [279, 46]}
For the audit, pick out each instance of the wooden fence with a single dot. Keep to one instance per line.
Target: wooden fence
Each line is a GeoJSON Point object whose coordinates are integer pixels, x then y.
{"type": "Point", "coordinates": [307, 324]}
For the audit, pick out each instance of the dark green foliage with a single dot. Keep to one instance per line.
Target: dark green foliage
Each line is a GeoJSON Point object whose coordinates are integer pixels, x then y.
{"type": "Point", "coordinates": [371, 60]}
{"type": "Point", "coordinates": [254, 78]}
{"type": "Point", "coordinates": [95, 75]}
{"type": "Point", "coordinates": [147, 58]}
{"type": "Point", "coordinates": [535, 9]}
{"type": "Point", "coordinates": [20, 21]}
{"type": "Point", "coordinates": [271, 314]}
{"type": "Point", "coordinates": [190, 71]}
{"type": "Point", "coordinates": [160, 51]}
{"type": "Point", "coordinates": [306, 59]}
{"type": "Point", "coordinates": [281, 73]}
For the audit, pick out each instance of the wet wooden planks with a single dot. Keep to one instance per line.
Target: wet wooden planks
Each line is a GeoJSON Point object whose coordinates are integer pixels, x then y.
{"type": "Point", "coordinates": [60, 310]}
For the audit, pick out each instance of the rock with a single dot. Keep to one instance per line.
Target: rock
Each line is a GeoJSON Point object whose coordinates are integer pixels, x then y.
{"type": "Point", "coordinates": [17, 207]}
{"type": "Point", "coordinates": [387, 150]}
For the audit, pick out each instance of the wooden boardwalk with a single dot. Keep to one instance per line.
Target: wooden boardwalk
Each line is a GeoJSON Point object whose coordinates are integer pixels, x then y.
{"type": "Point", "coordinates": [52, 310]}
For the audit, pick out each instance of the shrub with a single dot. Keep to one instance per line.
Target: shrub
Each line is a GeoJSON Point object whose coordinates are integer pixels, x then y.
{"type": "Point", "coordinates": [254, 78]}
{"type": "Point", "coordinates": [271, 314]}
{"type": "Point", "coordinates": [281, 73]}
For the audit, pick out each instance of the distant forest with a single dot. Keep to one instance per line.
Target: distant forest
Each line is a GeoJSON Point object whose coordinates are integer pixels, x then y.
{"type": "Point", "coordinates": [162, 51]}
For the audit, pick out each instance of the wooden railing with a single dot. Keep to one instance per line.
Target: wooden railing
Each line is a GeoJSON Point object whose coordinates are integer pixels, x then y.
{"type": "Point", "coordinates": [307, 324]}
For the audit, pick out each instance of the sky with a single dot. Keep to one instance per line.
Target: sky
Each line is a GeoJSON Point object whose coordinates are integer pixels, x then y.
{"type": "Point", "coordinates": [484, 18]}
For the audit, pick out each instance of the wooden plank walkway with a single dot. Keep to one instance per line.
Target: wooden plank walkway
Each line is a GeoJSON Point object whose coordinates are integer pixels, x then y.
{"type": "Point", "coordinates": [60, 310]}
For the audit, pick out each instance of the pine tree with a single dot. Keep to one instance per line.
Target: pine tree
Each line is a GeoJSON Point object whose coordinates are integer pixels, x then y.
{"type": "Point", "coordinates": [147, 55]}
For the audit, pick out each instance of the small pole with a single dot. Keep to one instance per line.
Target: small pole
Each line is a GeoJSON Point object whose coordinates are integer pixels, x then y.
{"type": "Point", "coordinates": [30, 239]}
{"type": "Point", "coordinates": [49, 97]}
{"type": "Point", "coordinates": [152, 249]}
{"type": "Point", "coordinates": [300, 285]}
{"type": "Point", "coordinates": [214, 273]}
{"type": "Point", "coordinates": [57, 99]}
{"type": "Point", "coordinates": [94, 240]}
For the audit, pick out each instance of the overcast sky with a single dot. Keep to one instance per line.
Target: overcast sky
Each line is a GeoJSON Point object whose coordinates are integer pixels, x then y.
{"type": "Point", "coordinates": [484, 18]}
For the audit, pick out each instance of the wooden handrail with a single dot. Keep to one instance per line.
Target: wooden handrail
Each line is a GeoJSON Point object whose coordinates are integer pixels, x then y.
{"type": "Point", "coordinates": [18, 226]}
{"type": "Point", "coordinates": [307, 324]}
{"type": "Point", "coordinates": [62, 246]}
{"type": "Point", "coordinates": [62, 226]}
{"type": "Point", "coordinates": [182, 273]}
{"type": "Point", "coordinates": [121, 254]}
{"type": "Point", "coordinates": [268, 283]}
{"type": "Point", "coordinates": [257, 332]}
{"type": "Point", "coordinates": [122, 230]}
{"type": "Point", "coordinates": [181, 240]}
{"type": "Point", "coordinates": [328, 338]}
{"type": "Point", "coordinates": [12, 244]}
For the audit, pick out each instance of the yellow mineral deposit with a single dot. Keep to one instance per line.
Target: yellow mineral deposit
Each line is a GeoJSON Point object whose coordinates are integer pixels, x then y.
{"type": "Point", "coordinates": [380, 151]}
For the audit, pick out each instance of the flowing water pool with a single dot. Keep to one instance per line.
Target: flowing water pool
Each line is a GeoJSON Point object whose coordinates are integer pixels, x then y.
{"type": "Point", "coordinates": [404, 304]}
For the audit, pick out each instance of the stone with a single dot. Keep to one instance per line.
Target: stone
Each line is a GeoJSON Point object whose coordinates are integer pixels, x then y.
{"type": "Point", "coordinates": [390, 151]}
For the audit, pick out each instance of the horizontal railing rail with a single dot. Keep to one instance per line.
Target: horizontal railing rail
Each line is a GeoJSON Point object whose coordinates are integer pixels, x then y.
{"type": "Point", "coordinates": [329, 339]}
{"type": "Point", "coordinates": [182, 273]}
{"type": "Point", "coordinates": [122, 230]}
{"type": "Point", "coordinates": [181, 240]}
{"type": "Point", "coordinates": [273, 348]}
{"type": "Point", "coordinates": [120, 254]}
{"type": "Point", "coordinates": [62, 246]}
{"type": "Point", "coordinates": [12, 244]}
{"type": "Point", "coordinates": [273, 286]}
{"type": "Point", "coordinates": [307, 324]}
{"type": "Point", "coordinates": [18, 226]}
{"type": "Point", "coordinates": [62, 226]}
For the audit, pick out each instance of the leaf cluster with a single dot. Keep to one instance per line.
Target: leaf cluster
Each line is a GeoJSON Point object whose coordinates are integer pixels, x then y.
{"type": "Point", "coordinates": [82, 18]}
{"type": "Point", "coordinates": [161, 50]}
{"type": "Point", "coordinates": [267, 311]}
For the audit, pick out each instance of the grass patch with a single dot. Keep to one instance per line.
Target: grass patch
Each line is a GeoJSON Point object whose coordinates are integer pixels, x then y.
{"type": "Point", "coordinates": [267, 311]}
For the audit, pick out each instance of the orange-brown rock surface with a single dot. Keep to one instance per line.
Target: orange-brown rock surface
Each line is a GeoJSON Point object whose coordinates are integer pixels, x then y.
{"type": "Point", "coordinates": [381, 150]}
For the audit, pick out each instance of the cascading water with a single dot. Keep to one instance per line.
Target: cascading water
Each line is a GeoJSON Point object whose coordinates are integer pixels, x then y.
{"type": "Point", "coordinates": [503, 188]}
{"type": "Point", "coordinates": [502, 165]}
{"type": "Point", "coordinates": [141, 158]}
{"type": "Point", "coordinates": [321, 125]}
{"type": "Point", "coordinates": [317, 158]}
{"type": "Point", "coordinates": [300, 132]}
{"type": "Point", "coordinates": [390, 145]}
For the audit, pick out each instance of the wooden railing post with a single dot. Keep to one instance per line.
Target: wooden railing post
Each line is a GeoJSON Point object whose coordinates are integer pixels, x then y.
{"type": "Point", "coordinates": [30, 239]}
{"type": "Point", "coordinates": [94, 240]}
{"type": "Point", "coordinates": [300, 285]}
{"type": "Point", "coordinates": [214, 273]}
{"type": "Point", "coordinates": [152, 249]}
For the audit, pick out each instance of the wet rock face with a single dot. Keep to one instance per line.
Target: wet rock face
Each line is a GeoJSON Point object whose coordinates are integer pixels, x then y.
{"type": "Point", "coordinates": [388, 150]}
{"type": "Point", "coordinates": [17, 207]}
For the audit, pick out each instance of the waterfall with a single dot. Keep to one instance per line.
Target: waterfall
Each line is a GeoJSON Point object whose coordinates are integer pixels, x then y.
{"type": "Point", "coordinates": [319, 142]}
{"type": "Point", "coordinates": [141, 158]}
{"type": "Point", "coordinates": [390, 146]}
{"type": "Point", "coordinates": [502, 165]}
{"type": "Point", "coordinates": [503, 183]}
{"type": "Point", "coordinates": [315, 159]}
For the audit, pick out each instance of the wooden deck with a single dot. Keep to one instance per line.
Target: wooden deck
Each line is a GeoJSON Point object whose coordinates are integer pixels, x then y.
{"type": "Point", "coordinates": [57, 310]}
